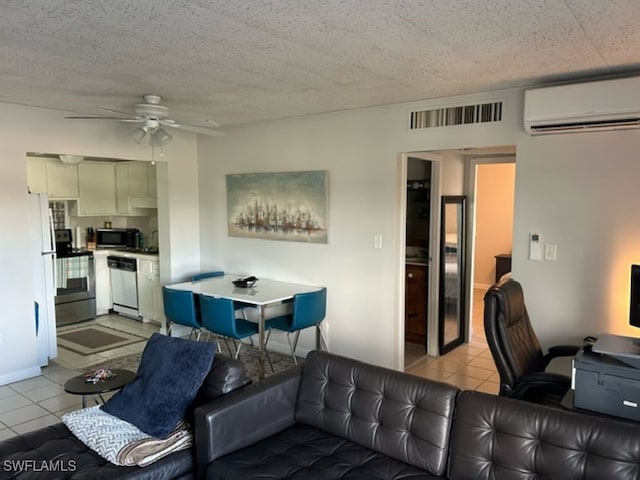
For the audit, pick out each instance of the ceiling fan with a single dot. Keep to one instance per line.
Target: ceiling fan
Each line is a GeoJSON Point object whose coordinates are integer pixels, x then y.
{"type": "Point", "coordinates": [153, 117]}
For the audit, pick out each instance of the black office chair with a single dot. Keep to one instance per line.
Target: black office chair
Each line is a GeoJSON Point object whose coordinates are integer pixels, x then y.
{"type": "Point", "coordinates": [516, 350]}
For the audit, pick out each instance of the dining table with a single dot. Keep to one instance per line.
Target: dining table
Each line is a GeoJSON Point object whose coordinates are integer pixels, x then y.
{"type": "Point", "coordinates": [263, 294]}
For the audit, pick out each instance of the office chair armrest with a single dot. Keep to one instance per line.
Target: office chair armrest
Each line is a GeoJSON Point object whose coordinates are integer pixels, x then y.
{"type": "Point", "coordinates": [553, 382]}
{"type": "Point", "coordinates": [560, 351]}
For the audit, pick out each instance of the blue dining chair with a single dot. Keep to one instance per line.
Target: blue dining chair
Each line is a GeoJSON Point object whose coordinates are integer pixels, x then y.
{"type": "Point", "coordinates": [204, 275]}
{"type": "Point", "coordinates": [309, 309]}
{"type": "Point", "coordinates": [219, 273]}
{"type": "Point", "coordinates": [180, 309]}
{"type": "Point", "coordinates": [218, 317]}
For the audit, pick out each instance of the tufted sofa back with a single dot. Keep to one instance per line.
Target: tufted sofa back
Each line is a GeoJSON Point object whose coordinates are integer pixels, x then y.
{"type": "Point", "coordinates": [399, 415]}
{"type": "Point", "coordinates": [496, 437]}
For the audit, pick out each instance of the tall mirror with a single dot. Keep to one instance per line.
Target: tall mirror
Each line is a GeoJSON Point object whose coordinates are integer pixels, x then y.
{"type": "Point", "coordinates": [451, 331]}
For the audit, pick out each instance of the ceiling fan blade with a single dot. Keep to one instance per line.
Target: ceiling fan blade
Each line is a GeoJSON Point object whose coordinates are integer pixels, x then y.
{"type": "Point", "coordinates": [196, 129]}
{"type": "Point", "coordinates": [87, 117]}
{"type": "Point", "coordinates": [108, 110]}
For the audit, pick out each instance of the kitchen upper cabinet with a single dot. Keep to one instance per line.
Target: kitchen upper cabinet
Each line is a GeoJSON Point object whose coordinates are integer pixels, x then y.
{"type": "Point", "coordinates": [136, 186]}
{"type": "Point", "coordinates": [142, 185]}
{"type": "Point", "coordinates": [149, 291]}
{"type": "Point", "coordinates": [97, 189]}
{"type": "Point", "coordinates": [51, 176]}
{"type": "Point", "coordinates": [37, 174]}
{"type": "Point", "coordinates": [62, 179]}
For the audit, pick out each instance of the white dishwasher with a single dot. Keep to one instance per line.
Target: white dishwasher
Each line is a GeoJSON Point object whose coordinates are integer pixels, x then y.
{"type": "Point", "coordinates": [124, 285]}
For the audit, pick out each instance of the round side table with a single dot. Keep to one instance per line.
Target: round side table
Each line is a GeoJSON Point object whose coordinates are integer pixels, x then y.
{"type": "Point", "coordinates": [78, 386]}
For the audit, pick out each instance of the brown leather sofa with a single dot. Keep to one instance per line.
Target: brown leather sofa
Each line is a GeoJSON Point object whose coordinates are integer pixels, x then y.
{"type": "Point", "coordinates": [337, 418]}
{"type": "Point", "coordinates": [54, 452]}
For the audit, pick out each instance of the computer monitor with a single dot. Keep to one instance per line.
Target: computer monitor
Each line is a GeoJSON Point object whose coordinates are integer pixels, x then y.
{"type": "Point", "coordinates": [625, 349]}
{"type": "Point", "coordinates": [634, 301]}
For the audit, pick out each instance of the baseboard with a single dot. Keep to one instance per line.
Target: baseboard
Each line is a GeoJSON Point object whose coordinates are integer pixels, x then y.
{"type": "Point", "coordinates": [20, 375]}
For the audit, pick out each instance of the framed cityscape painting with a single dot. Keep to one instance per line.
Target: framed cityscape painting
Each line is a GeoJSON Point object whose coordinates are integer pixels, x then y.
{"type": "Point", "coordinates": [292, 206]}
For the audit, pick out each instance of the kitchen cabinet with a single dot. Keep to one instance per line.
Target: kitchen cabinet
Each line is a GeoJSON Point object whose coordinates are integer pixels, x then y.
{"type": "Point", "coordinates": [62, 179]}
{"type": "Point", "coordinates": [136, 187]}
{"type": "Point", "coordinates": [142, 185]}
{"type": "Point", "coordinates": [37, 174]}
{"type": "Point", "coordinates": [103, 283]}
{"type": "Point", "coordinates": [51, 176]}
{"type": "Point", "coordinates": [149, 291]}
{"type": "Point", "coordinates": [415, 324]}
{"type": "Point", "coordinates": [122, 189]}
{"type": "Point", "coordinates": [97, 188]}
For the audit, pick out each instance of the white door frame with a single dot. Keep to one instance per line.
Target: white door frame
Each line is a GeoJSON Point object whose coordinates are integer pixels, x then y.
{"type": "Point", "coordinates": [434, 250]}
{"type": "Point", "coordinates": [471, 168]}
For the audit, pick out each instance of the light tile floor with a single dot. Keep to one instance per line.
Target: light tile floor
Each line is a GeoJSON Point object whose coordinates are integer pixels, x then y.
{"type": "Point", "coordinates": [469, 366]}
{"type": "Point", "coordinates": [41, 401]}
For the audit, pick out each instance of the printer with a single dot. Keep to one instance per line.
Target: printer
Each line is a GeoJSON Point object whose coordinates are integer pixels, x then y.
{"type": "Point", "coordinates": [604, 384]}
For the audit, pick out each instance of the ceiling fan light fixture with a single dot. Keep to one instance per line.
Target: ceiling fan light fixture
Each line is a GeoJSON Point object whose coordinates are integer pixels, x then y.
{"type": "Point", "coordinates": [160, 137]}
{"type": "Point", "coordinates": [138, 134]}
{"type": "Point", "coordinates": [71, 159]}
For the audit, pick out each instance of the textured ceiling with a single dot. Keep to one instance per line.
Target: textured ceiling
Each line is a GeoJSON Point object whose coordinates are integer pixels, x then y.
{"type": "Point", "coordinates": [236, 61]}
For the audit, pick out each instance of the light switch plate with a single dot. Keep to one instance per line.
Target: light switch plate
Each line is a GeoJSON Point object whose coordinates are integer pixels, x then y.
{"type": "Point", "coordinates": [550, 252]}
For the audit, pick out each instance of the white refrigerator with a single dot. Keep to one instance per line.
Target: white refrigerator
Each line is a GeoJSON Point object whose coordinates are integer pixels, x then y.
{"type": "Point", "coordinates": [43, 249]}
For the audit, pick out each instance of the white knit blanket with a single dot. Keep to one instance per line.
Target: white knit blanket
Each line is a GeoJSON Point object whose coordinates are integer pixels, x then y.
{"type": "Point", "coordinates": [120, 442]}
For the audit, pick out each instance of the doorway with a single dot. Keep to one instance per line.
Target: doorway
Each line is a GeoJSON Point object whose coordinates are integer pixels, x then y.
{"type": "Point", "coordinates": [456, 175]}
{"type": "Point", "coordinates": [417, 253]}
{"type": "Point", "coordinates": [493, 181]}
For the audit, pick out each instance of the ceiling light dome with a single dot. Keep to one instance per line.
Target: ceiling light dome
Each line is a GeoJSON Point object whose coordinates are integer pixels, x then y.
{"type": "Point", "coordinates": [71, 159]}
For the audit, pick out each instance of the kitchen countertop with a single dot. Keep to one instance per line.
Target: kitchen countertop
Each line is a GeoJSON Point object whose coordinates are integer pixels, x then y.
{"type": "Point", "coordinates": [126, 253]}
{"type": "Point", "coordinates": [416, 261]}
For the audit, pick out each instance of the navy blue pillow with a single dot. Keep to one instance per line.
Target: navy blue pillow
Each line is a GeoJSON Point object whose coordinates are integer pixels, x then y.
{"type": "Point", "coordinates": [170, 374]}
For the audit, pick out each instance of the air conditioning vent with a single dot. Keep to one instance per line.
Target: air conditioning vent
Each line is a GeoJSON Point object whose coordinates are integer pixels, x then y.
{"type": "Point", "coordinates": [615, 124]}
{"type": "Point", "coordinates": [462, 115]}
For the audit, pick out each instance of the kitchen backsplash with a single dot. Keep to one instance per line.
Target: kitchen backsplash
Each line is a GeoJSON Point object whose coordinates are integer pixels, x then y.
{"type": "Point", "coordinates": [147, 225]}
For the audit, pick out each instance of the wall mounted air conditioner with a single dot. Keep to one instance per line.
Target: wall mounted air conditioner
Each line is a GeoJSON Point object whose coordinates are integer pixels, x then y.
{"type": "Point", "coordinates": [593, 106]}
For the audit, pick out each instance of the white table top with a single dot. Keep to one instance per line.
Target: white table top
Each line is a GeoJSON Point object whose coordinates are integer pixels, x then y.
{"type": "Point", "coordinates": [264, 292]}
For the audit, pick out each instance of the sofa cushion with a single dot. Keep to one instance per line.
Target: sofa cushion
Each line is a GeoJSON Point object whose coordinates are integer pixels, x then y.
{"type": "Point", "coordinates": [303, 452]}
{"type": "Point", "coordinates": [399, 415]}
{"type": "Point", "coordinates": [497, 437]}
{"type": "Point", "coordinates": [170, 374]}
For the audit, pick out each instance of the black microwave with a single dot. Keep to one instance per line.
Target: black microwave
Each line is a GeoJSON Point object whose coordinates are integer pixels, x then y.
{"type": "Point", "coordinates": [117, 237]}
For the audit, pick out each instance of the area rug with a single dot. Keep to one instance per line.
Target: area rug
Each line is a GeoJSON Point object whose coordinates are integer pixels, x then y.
{"type": "Point", "coordinates": [248, 356]}
{"type": "Point", "coordinates": [95, 339]}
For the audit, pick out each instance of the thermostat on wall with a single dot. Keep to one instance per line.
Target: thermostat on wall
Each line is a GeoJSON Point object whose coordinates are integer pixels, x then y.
{"type": "Point", "coordinates": [534, 247]}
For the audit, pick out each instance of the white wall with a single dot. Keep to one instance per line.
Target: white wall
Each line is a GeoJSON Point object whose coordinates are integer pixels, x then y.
{"type": "Point", "coordinates": [360, 151]}
{"type": "Point", "coordinates": [27, 129]}
{"type": "Point", "coordinates": [581, 192]}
